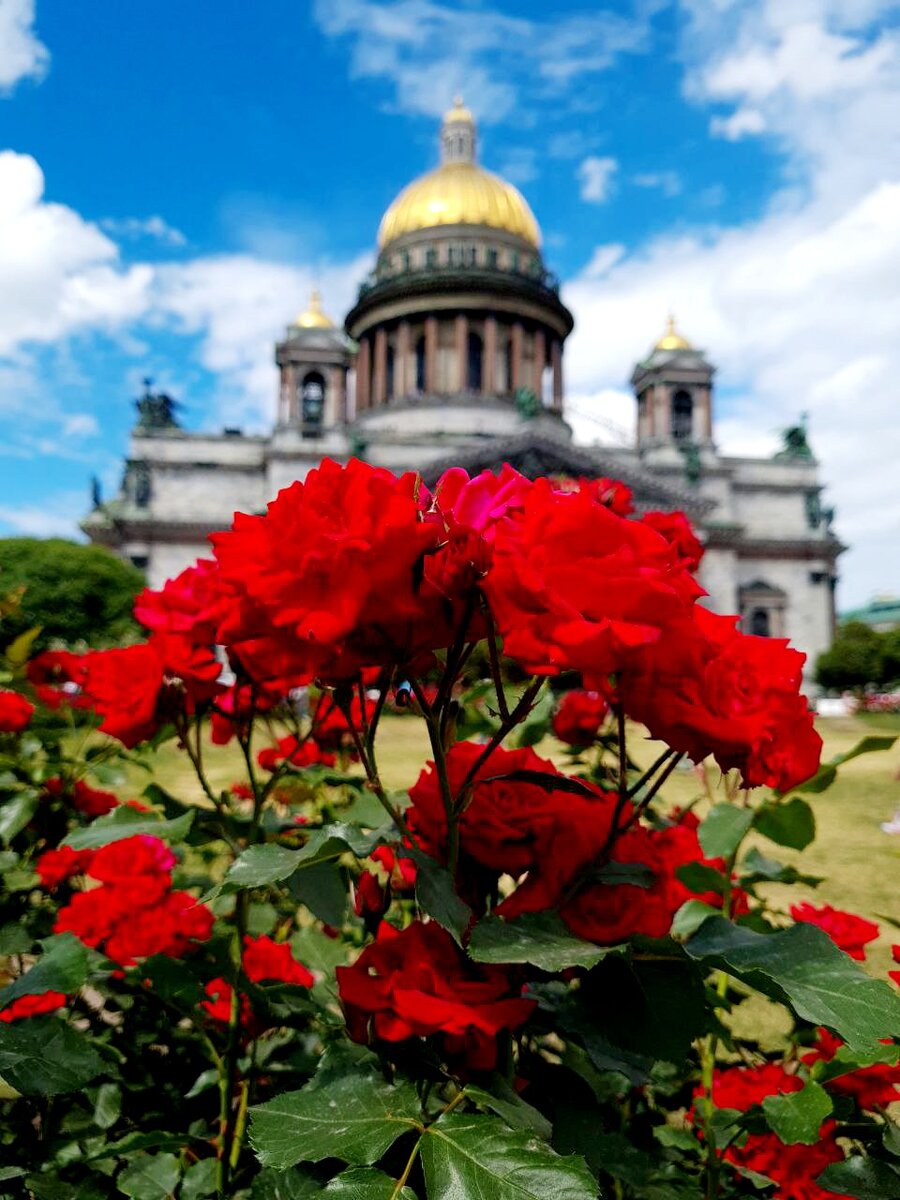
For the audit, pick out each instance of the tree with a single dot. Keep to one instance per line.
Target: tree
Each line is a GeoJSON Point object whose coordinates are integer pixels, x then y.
{"type": "Point", "coordinates": [75, 593]}
{"type": "Point", "coordinates": [854, 659]}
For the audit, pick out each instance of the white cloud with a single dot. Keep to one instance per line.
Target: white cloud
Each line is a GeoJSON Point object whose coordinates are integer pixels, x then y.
{"type": "Point", "coordinates": [743, 122]}
{"type": "Point", "coordinates": [22, 55]}
{"type": "Point", "coordinates": [56, 516]}
{"type": "Point", "coordinates": [668, 182]}
{"type": "Point", "coordinates": [428, 50]}
{"type": "Point", "coordinates": [595, 176]}
{"type": "Point", "coordinates": [80, 425]}
{"type": "Point", "coordinates": [147, 227]}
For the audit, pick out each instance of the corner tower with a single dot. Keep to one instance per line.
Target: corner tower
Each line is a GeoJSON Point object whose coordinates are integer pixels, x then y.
{"type": "Point", "coordinates": [460, 311]}
{"type": "Point", "coordinates": [313, 360]}
{"type": "Point", "coordinates": [673, 386]}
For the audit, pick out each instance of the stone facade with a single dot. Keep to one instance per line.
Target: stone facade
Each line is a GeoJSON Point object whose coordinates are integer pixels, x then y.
{"type": "Point", "coordinates": [453, 353]}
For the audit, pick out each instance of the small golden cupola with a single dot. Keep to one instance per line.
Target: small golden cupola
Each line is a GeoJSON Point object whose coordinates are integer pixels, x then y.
{"type": "Point", "coordinates": [672, 339]}
{"type": "Point", "coordinates": [313, 317]}
{"type": "Point", "coordinates": [459, 191]}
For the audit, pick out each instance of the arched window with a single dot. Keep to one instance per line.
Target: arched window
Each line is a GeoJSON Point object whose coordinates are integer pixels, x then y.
{"type": "Point", "coordinates": [682, 416]}
{"type": "Point", "coordinates": [420, 365]}
{"type": "Point", "coordinates": [389, 374]}
{"type": "Point", "coordinates": [760, 625]}
{"type": "Point", "coordinates": [474, 363]}
{"type": "Point", "coordinates": [312, 401]}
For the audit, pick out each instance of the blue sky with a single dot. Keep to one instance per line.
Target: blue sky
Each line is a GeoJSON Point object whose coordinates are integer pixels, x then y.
{"type": "Point", "coordinates": [174, 176]}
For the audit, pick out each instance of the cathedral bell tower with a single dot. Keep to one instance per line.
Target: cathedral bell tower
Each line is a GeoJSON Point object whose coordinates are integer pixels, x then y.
{"type": "Point", "coordinates": [313, 360]}
{"type": "Point", "coordinates": [673, 386]}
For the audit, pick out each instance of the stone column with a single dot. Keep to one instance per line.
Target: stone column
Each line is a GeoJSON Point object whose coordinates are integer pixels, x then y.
{"type": "Point", "coordinates": [462, 356]}
{"type": "Point", "coordinates": [339, 386]}
{"type": "Point", "coordinates": [379, 371]}
{"type": "Point", "coordinates": [707, 414]}
{"type": "Point", "coordinates": [662, 414]}
{"type": "Point", "coordinates": [431, 345]}
{"type": "Point", "coordinates": [402, 383]}
{"type": "Point", "coordinates": [489, 365]}
{"type": "Point", "coordinates": [556, 363]}
{"type": "Point", "coordinates": [517, 339]}
{"type": "Point", "coordinates": [363, 373]}
{"type": "Point", "coordinates": [540, 359]}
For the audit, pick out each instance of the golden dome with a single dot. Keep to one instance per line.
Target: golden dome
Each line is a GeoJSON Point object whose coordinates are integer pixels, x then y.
{"type": "Point", "coordinates": [313, 317]}
{"type": "Point", "coordinates": [672, 339]}
{"type": "Point", "coordinates": [459, 192]}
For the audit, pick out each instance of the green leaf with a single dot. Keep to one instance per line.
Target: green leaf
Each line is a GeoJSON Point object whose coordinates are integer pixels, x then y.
{"type": "Point", "coordinates": [802, 967]}
{"type": "Point", "coordinates": [108, 1105]}
{"type": "Point", "coordinates": [43, 1056]}
{"type": "Point", "coordinates": [757, 868]}
{"type": "Point", "coordinates": [125, 822]}
{"type": "Point", "coordinates": [541, 939]}
{"type": "Point", "coordinates": [331, 841]}
{"type": "Point", "coordinates": [63, 967]}
{"type": "Point", "coordinates": [787, 824]}
{"type": "Point", "coordinates": [204, 1081]}
{"type": "Point", "coordinates": [691, 916]}
{"type": "Point", "coordinates": [150, 1177]}
{"type": "Point", "coordinates": [258, 866]}
{"type": "Point", "coordinates": [365, 1183]}
{"type": "Point", "coordinates": [698, 877]}
{"type": "Point", "coordinates": [503, 1100]}
{"type": "Point", "coordinates": [827, 773]}
{"type": "Point", "coordinates": [472, 1155]}
{"type": "Point", "coordinates": [14, 939]}
{"type": "Point", "coordinates": [284, 1185]}
{"type": "Point", "coordinates": [437, 896]}
{"type": "Point", "coordinates": [16, 813]}
{"type": "Point", "coordinates": [18, 651]}
{"type": "Point", "coordinates": [797, 1116]}
{"type": "Point", "coordinates": [322, 889]}
{"type": "Point", "coordinates": [199, 1180]}
{"type": "Point", "coordinates": [722, 830]}
{"type": "Point", "coordinates": [862, 1178]}
{"type": "Point", "coordinates": [354, 1118]}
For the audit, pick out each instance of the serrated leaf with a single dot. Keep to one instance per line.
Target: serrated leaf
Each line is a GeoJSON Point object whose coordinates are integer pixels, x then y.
{"type": "Point", "coordinates": [797, 1116]}
{"type": "Point", "coordinates": [721, 832]}
{"type": "Point", "coordinates": [436, 895]}
{"type": "Point", "coordinates": [125, 822]}
{"type": "Point", "coordinates": [861, 1178]}
{"type": "Point", "coordinates": [365, 1183]}
{"type": "Point", "coordinates": [43, 1056]}
{"type": "Point", "coordinates": [16, 812]}
{"type": "Point", "coordinates": [354, 1118]}
{"type": "Point", "coordinates": [108, 1105]}
{"type": "Point", "coordinates": [150, 1177]}
{"type": "Point", "coordinates": [503, 1100]}
{"type": "Point", "coordinates": [691, 916]}
{"type": "Point", "coordinates": [757, 868]}
{"type": "Point", "coordinates": [284, 1185]}
{"type": "Point", "coordinates": [541, 939]}
{"type": "Point", "coordinates": [322, 889]}
{"type": "Point", "coordinates": [63, 967]}
{"type": "Point", "coordinates": [788, 823]}
{"type": "Point", "coordinates": [465, 1155]}
{"type": "Point", "coordinates": [199, 1180]}
{"type": "Point", "coordinates": [802, 967]}
{"type": "Point", "coordinates": [258, 866]}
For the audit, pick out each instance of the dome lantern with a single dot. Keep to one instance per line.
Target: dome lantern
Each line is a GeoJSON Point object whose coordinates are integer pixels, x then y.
{"type": "Point", "coordinates": [458, 134]}
{"type": "Point", "coordinates": [313, 317]}
{"type": "Point", "coordinates": [672, 339]}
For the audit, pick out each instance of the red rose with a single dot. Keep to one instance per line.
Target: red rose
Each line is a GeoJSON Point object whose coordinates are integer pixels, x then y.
{"type": "Point", "coordinates": [15, 712]}
{"type": "Point", "coordinates": [707, 689]}
{"type": "Point", "coordinates": [895, 954]}
{"type": "Point", "coordinates": [55, 866]}
{"type": "Point", "coordinates": [57, 677]}
{"type": "Point", "coordinates": [505, 823]}
{"type": "Point", "coordinates": [92, 802]}
{"type": "Point", "coordinates": [298, 753]}
{"type": "Point", "coordinates": [574, 587]}
{"type": "Point", "coordinates": [263, 961]}
{"type": "Point", "coordinates": [32, 1006]}
{"type": "Point", "coordinates": [329, 724]}
{"type": "Point", "coordinates": [417, 983]}
{"type": "Point", "coordinates": [579, 716]}
{"type": "Point", "coordinates": [168, 927]}
{"type": "Point", "coordinates": [848, 932]}
{"type": "Point", "coordinates": [793, 1168]}
{"type": "Point", "coordinates": [389, 873]}
{"type": "Point", "coordinates": [677, 530]}
{"type": "Point", "coordinates": [333, 567]}
{"type": "Point", "coordinates": [124, 687]}
{"type": "Point", "coordinates": [189, 605]}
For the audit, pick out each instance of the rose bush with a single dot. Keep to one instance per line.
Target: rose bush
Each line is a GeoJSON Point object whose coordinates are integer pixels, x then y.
{"type": "Point", "coordinates": [516, 980]}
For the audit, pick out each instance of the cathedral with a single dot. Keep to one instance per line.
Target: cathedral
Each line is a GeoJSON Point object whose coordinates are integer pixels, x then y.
{"type": "Point", "coordinates": [453, 354]}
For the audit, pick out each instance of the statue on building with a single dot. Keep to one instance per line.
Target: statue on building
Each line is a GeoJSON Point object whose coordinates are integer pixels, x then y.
{"type": "Point", "coordinates": [156, 411]}
{"type": "Point", "coordinates": [795, 442]}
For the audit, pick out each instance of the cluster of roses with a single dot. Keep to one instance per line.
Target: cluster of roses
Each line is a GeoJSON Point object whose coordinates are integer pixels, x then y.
{"type": "Point", "coordinates": [354, 570]}
{"type": "Point", "coordinates": [15, 712]}
{"type": "Point", "coordinates": [134, 912]}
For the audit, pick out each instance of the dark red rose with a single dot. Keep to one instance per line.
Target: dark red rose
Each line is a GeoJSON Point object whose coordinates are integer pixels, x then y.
{"type": "Point", "coordinates": [418, 983]}
{"type": "Point", "coordinates": [579, 716]}
{"type": "Point", "coordinates": [15, 712]}
{"type": "Point", "coordinates": [678, 531]}
{"type": "Point", "coordinates": [574, 587]}
{"type": "Point", "coordinates": [330, 728]}
{"type": "Point", "coordinates": [506, 821]}
{"type": "Point", "coordinates": [707, 689]}
{"type": "Point", "coordinates": [849, 932]}
{"type": "Point", "coordinates": [263, 961]}
{"type": "Point", "coordinates": [290, 749]}
{"type": "Point", "coordinates": [388, 873]}
{"type": "Point", "coordinates": [57, 677]}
